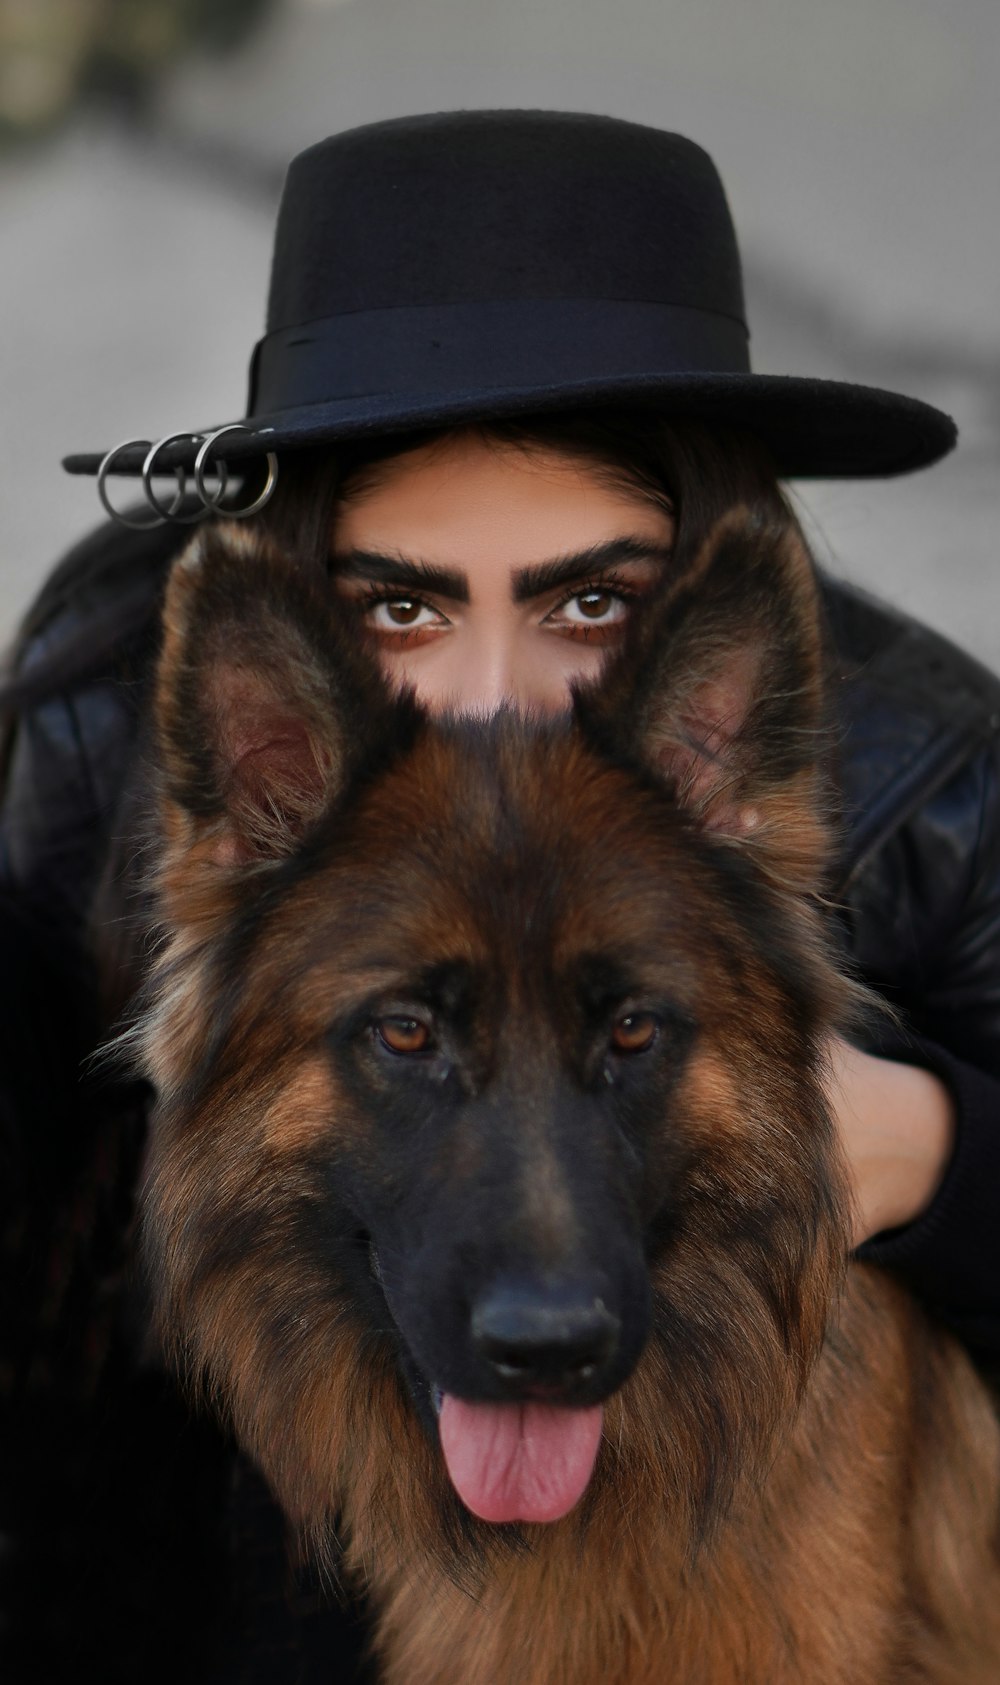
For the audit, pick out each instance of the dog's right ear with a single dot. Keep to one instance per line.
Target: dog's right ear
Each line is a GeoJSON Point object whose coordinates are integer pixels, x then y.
{"type": "Point", "coordinates": [265, 705]}
{"type": "Point", "coordinates": [719, 693]}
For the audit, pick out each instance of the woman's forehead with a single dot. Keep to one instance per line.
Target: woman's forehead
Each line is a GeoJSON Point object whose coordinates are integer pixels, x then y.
{"type": "Point", "coordinates": [465, 501]}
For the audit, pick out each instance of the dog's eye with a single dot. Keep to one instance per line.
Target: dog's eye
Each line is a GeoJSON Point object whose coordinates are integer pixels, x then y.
{"type": "Point", "coordinates": [403, 1035]}
{"type": "Point", "coordinates": [633, 1033]}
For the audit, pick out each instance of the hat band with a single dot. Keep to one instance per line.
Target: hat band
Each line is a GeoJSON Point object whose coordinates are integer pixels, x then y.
{"type": "Point", "coordinates": [460, 348]}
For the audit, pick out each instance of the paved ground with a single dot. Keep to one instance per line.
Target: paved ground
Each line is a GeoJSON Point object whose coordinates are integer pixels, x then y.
{"type": "Point", "coordinates": [859, 145]}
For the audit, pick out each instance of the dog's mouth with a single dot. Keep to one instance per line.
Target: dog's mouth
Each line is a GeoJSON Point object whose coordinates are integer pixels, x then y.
{"type": "Point", "coordinates": [527, 1460]}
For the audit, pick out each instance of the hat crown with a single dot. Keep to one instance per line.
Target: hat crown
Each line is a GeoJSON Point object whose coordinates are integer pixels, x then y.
{"type": "Point", "coordinates": [467, 206]}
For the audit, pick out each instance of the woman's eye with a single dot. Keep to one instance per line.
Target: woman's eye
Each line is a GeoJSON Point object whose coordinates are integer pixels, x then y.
{"type": "Point", "coordinates": [406, 614]}
{"type": "Point", "coordinates": [596, 606]}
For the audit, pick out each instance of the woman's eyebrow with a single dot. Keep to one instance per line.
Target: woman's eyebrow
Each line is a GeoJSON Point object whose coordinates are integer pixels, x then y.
{"type": "Point", "coordinates": [540, 577]}
{"type": "Point", "coordinates": [411, 574]}
{"type": "Point", "coordinates": [405, 571]}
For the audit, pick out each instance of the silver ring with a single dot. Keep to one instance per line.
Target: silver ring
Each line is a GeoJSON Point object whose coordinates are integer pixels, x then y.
{"type": "Point", "coordinates": [178, 498]}
{"type": "Point", "coordinates": [159, 519]}
{"type": "Point", "coordinates": [215, 503]}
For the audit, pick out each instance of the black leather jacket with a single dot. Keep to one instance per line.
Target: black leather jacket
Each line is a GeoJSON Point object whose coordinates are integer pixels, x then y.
{"type": "Point", "coordinates": [918, 884]}
{"type": "Point", "coordinates": [920, 878]}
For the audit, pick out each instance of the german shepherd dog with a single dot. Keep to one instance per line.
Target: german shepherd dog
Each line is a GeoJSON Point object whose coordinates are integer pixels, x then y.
{"type": "Point", "coordinates": [492, 1196]}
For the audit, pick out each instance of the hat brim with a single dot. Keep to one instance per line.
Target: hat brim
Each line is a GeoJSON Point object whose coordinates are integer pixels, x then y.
{"type": "Point", "coordinates": [814, 429]}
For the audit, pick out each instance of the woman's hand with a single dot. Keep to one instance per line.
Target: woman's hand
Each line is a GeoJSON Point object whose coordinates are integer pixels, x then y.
{"type": "Point", "coordinates": [897, 1128]}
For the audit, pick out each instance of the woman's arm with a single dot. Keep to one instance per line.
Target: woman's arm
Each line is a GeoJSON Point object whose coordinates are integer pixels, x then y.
{"type": "Point", "coordinates": [897, 1130]}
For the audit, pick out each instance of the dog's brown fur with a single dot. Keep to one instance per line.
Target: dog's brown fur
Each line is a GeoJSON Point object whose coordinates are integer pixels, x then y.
{"type": "Point", "coordinates": [796, 1483]}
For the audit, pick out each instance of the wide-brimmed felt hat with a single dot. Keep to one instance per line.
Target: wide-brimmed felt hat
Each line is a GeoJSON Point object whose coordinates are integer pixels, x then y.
{"type": "Point", "coordinates": [479, 264]}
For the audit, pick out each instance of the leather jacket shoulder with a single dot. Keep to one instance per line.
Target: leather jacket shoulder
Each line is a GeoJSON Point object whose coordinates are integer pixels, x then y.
{"type": "Point", "coordinates": [78, 694]}
{"type": "Point", "coordinates": [919, 775]}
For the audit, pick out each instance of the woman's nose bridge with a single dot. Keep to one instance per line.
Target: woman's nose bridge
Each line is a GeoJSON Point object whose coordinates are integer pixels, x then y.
{"type": "Point", "coordinates": [487, 674]}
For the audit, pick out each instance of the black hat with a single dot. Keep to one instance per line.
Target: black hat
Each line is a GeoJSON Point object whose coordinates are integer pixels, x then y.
{"type": "Point", "coordinates": [475, 264]}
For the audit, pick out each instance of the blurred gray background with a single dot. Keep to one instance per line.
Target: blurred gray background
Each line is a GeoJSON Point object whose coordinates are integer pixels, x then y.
{"type": "Point", "coordinates": [143, 146]}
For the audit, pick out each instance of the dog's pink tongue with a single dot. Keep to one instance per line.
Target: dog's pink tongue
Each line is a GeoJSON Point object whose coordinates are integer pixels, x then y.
{"type": "Point", "coordinates": [518, 1462]}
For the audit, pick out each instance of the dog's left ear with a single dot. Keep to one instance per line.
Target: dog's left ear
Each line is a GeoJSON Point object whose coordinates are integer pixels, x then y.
{"type": "Point", "coordinates": [265, 703]}
{"type": "Point", "coordinates": [719, 692]}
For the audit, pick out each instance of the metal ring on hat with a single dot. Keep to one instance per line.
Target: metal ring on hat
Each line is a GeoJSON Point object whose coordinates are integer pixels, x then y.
{"type": "Point", "coordinates": [159, 517]}
{"type": "Point", "coordinates": [215, 503]}
{"type": "Point", "coordinates": [148, 470]}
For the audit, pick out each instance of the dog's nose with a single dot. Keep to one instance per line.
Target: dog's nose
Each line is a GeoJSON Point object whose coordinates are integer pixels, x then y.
{"type": "Point", "coordinates": [544, 1340]}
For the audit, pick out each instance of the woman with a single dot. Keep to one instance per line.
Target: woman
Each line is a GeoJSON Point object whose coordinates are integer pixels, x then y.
{"type": "Point", "coordinates": [505, 382]}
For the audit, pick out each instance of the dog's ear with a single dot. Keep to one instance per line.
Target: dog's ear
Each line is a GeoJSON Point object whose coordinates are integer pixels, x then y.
{"type": "Point", "coordinates": [719, 692]}
{"type": "Point", "coordinates": [265, 704]}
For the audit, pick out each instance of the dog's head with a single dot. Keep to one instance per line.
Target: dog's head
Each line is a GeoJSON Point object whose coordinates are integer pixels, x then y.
{"type": "Point", "coordinates": [486, 1052]}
